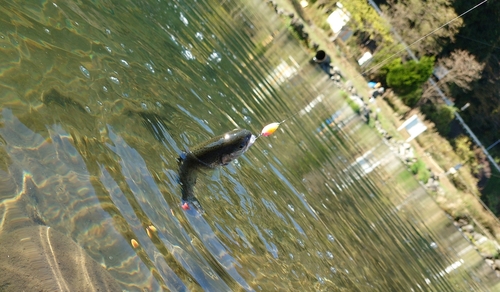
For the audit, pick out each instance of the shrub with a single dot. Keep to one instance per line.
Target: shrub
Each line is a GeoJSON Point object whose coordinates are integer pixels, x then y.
{"type": "Point", "coordinates": [420, 170]}
{"type": "Point", "coordinates": [440, 115]}
{"type": "Point", "coordinates": [415, 166]}
{"type": "Point", "coordinates": [462, 147]}
{"type": "Point", "coordinates": [407, 78]}
{"type": "Point", "coordinates": [411, 98]}
{"type": "Point", "coordinates": [424, 175]}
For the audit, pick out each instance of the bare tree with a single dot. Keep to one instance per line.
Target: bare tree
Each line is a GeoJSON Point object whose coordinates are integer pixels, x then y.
{"type": "Point", "coordinates": [414, 19]}
{"type": "Point", "coordinates": [461, 70]}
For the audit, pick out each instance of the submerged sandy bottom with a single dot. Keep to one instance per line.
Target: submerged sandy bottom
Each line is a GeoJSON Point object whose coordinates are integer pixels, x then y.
{"type": "Point", "coordinates": [39, 258]}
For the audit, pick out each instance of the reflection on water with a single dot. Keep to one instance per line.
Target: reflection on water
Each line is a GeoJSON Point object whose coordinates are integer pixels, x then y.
{"type": "Point", "coordinates": [99, 99]}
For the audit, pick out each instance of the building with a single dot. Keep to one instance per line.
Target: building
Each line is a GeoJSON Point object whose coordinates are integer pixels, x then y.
{"type": "Point", "coordinates": [338, 19]}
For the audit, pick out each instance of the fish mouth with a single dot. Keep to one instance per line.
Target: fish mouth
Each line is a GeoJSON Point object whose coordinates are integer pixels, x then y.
{"type": "Point", "coordinates": [250, 142]}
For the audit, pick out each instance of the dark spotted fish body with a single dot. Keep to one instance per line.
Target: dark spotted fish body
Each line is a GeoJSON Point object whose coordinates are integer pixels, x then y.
{"type": "Point", "coordinates": [218, 151]}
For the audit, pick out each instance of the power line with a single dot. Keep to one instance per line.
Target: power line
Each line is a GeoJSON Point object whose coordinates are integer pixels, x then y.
{"type": "Point", "coordinates": [446, 100]}
{"type": "Point", "coordinates": [406, 47]}
{"type": "Point", "coordinates": [478, 41]}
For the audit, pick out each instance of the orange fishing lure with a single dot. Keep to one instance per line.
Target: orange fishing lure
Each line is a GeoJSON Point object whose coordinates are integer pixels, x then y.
{"type": "Point", "coordinates": [269, 129]}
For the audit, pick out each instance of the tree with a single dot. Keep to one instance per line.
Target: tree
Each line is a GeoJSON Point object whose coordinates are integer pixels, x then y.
{"type": "Point", "coordinates": [480, 35]}
{"type": "Point", "coordinates": [365, 18]}
{"type": "Point", "coordinates": [407, 76]}
{"type": "Point", "coordinates": [406, 79]}
{"type": "Point", "coordinates": [483, 114]}
{"type": "Point", "coordinates": [442, 116]}
{"type": "Point", "coordinates": [414, 19]}
{"type": "Point", "coordinates": [461, 70]}
{"type": "Point", "coordinates": [464, 151]}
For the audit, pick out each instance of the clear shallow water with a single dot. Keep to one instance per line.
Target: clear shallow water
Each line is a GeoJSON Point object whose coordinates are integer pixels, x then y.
{"type": "Point", "coordinates": [99, 98]}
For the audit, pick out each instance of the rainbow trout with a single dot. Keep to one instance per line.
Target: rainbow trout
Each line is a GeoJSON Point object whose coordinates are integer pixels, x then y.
{"type": "Point", "coordinates": [220, 150]}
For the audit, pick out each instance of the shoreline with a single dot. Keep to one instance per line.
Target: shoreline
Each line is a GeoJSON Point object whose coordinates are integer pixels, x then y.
{"type": "Point", "coordinates": [466, 219]}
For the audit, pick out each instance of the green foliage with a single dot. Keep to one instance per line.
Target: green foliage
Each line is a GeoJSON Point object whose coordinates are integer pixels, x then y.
{"type": "Point", "coordinates": [406, 77]}
{"type": "Point", "coordinates": [483, 115]}
{"type": "Point", "coordinates": [424, 175]}
{"type": "Point", "coordinates": [406, 181]}
{"type": "Point", "coordinates": [415, 166]}
{"type": "Point", "coordinates": [443, 118]}
{"type": "Point", "coordinates": [488, 247]}
{"type": "Point", "coordinates": [383, 54]}
{"type": "Point", "coordinates": [463, 149]}
{"type": "Point", "coordinates": [365, 18]}
{"type": "Point", "coordinates": [420, 170]}
{"type": "Point", "coordinates": [353, 105]}
{"type": "Point", "coordinates": [440, 115]}
{"type": "Point", "coordinates": [325, 25]}
{"type": "Point", "coordinates": [411, 98]}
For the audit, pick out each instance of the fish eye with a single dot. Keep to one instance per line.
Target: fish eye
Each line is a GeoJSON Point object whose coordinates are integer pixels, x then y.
{"type": "Point", "coordinates": [242, 145]}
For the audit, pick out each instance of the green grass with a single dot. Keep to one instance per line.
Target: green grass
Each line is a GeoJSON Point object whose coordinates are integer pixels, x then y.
{"type": "Point", "coordinates": [406, 180]}
{"type": "Point", "coordinates": [355, 107]}
{"type": "Point", "coordinates": [385, 123]}
{"type": "Point", "coordinates": [420, 170]}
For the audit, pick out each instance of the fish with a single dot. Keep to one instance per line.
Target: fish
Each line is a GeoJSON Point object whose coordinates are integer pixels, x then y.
{"type": "Point", "coordinates": [213, 153]}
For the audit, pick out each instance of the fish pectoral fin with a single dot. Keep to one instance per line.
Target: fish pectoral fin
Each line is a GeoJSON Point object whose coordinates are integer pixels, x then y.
{"type": "Point", "coordinates": [182, 156]}
{"type": "Point", "coordinates": [216, 175]}
{"type": "Point", "coordinates": [225, 159]}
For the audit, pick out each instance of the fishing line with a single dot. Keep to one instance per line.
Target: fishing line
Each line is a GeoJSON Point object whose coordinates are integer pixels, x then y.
{"type": "Point", "coordinates": [385, 61]}
{"type": "Point", "coordinates": [272, 127]}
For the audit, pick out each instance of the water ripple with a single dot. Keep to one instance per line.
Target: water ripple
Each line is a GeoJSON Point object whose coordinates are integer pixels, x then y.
{"type": "Point", "coordinates": [85, 72]}
{"type": "Point", "coordinates": [183, 19]}
{"type": "Point", "coordinates": [114, 80]}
